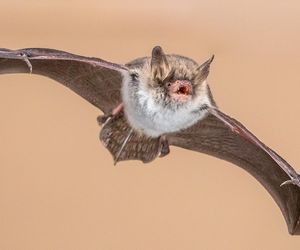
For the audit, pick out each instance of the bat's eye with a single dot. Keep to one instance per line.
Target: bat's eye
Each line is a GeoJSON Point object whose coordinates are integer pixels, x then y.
{"type": "Point", "coordinates": [134, 76]}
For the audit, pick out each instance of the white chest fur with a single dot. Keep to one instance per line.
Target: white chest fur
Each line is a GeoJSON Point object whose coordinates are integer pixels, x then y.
{"type": "Point", "coordinates": [153, 119]}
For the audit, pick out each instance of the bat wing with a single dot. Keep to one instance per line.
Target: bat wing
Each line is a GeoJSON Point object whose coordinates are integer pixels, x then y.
{"type": "Point", "coordinates": [96, 80]}
{"type": "Point", "coordinates": [221, 136]}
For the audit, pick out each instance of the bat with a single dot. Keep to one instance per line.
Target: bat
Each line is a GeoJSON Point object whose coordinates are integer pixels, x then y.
{"type": "Point", "coordinates": [153, 102]}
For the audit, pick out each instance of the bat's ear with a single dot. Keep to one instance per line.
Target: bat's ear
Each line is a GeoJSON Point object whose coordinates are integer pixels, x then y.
{"type": "Point", "coordinates": [159, 63]}
{"type": "Point", "coordinates": [203, 70]}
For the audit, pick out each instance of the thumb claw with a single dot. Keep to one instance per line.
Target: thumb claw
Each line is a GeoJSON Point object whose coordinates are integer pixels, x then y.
{"type": "Point", "coordinates": [294, 180]}
{"type": "Point", "coordinates": [286, 183]}
{"type": "Point", "coordinates": [26, 60]}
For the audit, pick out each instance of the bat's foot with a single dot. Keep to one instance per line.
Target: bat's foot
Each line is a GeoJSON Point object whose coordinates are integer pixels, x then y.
{"type": "Point", "coordinates": [164, 146]}
{"type": "Point", "coordinates": [101, 119]}
{"type": "Point", "coordinates": [293, 180]}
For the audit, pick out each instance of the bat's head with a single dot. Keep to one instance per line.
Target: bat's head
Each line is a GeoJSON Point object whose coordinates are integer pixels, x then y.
{"type": "Point", "coordinates": [165, 93]}
{"type": "Point", "coordinates": [173, 79]}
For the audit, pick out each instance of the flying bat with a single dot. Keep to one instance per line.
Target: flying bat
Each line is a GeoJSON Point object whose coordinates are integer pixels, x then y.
{"type": "Point", "coordinates": [157, 101]}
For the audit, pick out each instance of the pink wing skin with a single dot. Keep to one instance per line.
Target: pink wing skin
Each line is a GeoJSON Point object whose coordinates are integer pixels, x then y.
{"type": "Point", "coordinates": [223, 137]}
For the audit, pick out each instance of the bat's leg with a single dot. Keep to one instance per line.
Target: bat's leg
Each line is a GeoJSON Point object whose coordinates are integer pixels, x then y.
{"type": "Point", "coordinates": [123, 146]}
{"type": "Point", "coordinates": [101, 119]}
{"type": "Point", "coordinates": [164, 146]}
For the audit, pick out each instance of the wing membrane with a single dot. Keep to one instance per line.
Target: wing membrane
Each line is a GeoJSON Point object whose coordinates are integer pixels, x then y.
{"type": "Point", "coordinates": [225, 138]}
{"type": "Point", "coordinates": [96, 80]}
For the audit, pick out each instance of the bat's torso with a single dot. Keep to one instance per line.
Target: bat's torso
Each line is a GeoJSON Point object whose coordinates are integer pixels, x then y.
{"type": "Point", "coordinates": [148, 111]}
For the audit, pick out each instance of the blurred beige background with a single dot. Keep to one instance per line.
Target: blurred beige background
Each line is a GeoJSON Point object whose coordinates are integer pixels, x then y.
{"type": "Point", "coordinates": [58, 186]}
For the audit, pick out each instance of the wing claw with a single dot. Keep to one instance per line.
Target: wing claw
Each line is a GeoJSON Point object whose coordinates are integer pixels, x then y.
{"type": "Point", "coordinates": [26, 60]}
{"type": "Point", "coordinates": [293, 180]}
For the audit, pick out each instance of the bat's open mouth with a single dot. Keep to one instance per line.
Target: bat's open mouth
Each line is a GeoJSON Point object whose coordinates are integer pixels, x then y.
{"type": "Point", "coordinates": [184, 90]}
{"type": "Point", "coordinates": [181, 90]}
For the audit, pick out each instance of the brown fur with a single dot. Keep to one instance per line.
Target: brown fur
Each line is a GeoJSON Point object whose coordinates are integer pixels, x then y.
{"type": "Point", "coordinates": [138, 146]}
{"type": "Point", "coordinates": [157, 71]}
